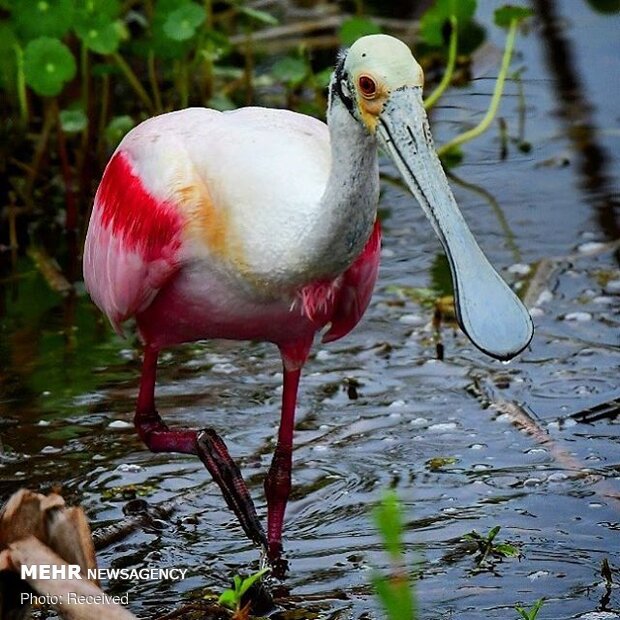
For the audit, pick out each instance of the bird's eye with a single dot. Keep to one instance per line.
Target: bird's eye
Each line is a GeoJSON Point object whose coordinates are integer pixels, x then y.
{"type": "Point", "coordinates": [368, 87]}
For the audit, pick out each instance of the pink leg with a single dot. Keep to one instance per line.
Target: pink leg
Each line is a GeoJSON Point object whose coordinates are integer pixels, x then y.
{"type": "Point", "coordinates": [278, 480]}
{"type": "Point", "coordinates": [206, 444]}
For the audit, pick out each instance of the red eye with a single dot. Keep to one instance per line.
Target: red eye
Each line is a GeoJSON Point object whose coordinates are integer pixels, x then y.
{"type": "Point", "coordinates": [368, 86]}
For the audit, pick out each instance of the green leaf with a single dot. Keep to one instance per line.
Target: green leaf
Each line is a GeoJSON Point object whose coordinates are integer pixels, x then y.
{"type": "Point", "coordinates": [290, 70]}
{"type": "Point", "coordinates": [506, 549]}
{"type": "Point", "coordinates": [532, 613]}
{"type": "Point", "coordinates": [493, 532]}
{"type": "Point", "coordinates": [104, 8]}
{"type": "Point", "coordinates": [259, 16]}
{"type": "Point", "coordinates": [355, 27]}
{"type": "Point", "coordinates": [228, 599]}
{"type": "Point", "coordinates": [221, 102]}
{"type": "Point", "coordinates": [215, 45]}
{"type": "Point", "coordinates": [439, 462]}
{"type": "Point", "coordinates": [248, 582]}
{"type": "Point", "coordinates": [48, 65]}
{"type": "Point", "coordinates": [396, 597]}
{"type": "Point", "coordinates": [73, 121]}
{"type": "Point", "coordinates": [506, 14]}
{"type": "Point", "coordinates": [37, 18]}
{"type": "Point", "coordinates": [98, 33]}
{"type": "Point", "coordinates": [117, 128]}
{"type": "Point", "coordinates": [433, 21]}
{"type": "Point", "coordinates": [182, 23]}
{"type": "Point", "coordinates": [322, 78]}
{"type": "Point", "coordinates": [388, 518]}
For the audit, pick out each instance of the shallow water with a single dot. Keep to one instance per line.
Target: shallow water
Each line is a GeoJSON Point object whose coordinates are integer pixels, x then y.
{"type": "Point", "coordinates": [554, 488]}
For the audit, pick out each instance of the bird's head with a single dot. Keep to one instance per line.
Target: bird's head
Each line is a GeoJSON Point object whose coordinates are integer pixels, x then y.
{"type": "Point", "coordinates": [374, 68]}
{"type": "Point", "coordinates": [380, 83]}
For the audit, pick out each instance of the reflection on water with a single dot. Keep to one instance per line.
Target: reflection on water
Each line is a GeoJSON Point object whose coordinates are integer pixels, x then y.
{"type": "Point", "coordinates": [575, 109]}
{"type": "Point", "coordinates": [67, 388]}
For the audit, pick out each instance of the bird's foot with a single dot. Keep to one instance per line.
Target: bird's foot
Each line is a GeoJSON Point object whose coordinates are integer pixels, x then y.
{"type": "Point", "coordinates": [213, 452]}
{"type": "Point", "coordinates": [274, 559]}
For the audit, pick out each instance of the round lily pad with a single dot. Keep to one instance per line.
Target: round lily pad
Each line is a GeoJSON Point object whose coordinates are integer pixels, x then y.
{"type": "Point", "coordinates": [48, 65]}
{"type": "Point", "coordinates": [182, 23]}
{"type": "Point", "coordinates": [37, 18]}
{"type": "Point", "coordinates": [104, 8]}
{"type": "Point", "coordinates": [117, 128]}
{"type": "Point", "coordinates": [355, 27]}
{"type": "Point", "coordinates": [99, 33]}
{"type": "Point", "coordinates": [73, 121]}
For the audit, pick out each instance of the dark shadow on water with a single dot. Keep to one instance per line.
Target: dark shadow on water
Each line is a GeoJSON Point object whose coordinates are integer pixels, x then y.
{"type": "Point", "coordinates": [575, 109]}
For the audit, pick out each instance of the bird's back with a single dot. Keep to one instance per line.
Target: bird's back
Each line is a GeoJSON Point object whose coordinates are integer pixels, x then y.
{"type": "Point", "coordinates": [234, 189]}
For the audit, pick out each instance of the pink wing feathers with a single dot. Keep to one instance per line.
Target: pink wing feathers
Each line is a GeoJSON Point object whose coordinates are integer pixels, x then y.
{"type": "Point", "coordinates": [343, 301]}
{"type": "Point", "coordinates": [132, 244]}
{"type": "Point", "coordinates": [358, 283]}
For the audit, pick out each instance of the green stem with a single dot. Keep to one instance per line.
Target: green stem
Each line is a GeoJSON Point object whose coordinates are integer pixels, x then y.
{"type": "Point", "coordinates": [184, 82]}
{"type": "Point", "coordinates": [495, 100]}
{"type": "Point", "coordinates": [449, 72]}
{"type": "Point", "coordinates": [133, 81]}
{"type": "Point", "coordinates": [21, 85]}
{"type": "Point", "coordinates": [154, 84]}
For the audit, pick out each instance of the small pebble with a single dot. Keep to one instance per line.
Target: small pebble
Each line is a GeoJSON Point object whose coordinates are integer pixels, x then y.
{"type": "Point", "coordinates": [613, 287]}
{"type": "Point", "coordinates": [43, 423]}
{"type": "Point", "coordinates": [50, 450]}
{"type": "Point", "coordinates": [544, 297]}
{"type": "Point", "coordinates": [397, 404]}
{"type": "Point", "coordinates": [557, 476]}
{"type": "Point", "coordinates": [536, 312]}
{"type": "Point", "coordinates": [120, 424]}
{"type": "Point", "coordinates": [445, 426]}
{"type": "Point", "coordinates": [591, 246]}
{"type": "Point", "coordinates": [604, 300]}
{"type": "Point", "coordinates": [129, 468]}
{"type": "Point", "coordinates": [578, 316]}
{"type": "Point", "coordinates": [520, 269]}
{"type": "Point", "coordinates": [411, 319]}
{"type": "Point", "coordinates": [224, 368]}
{"type": "Point", "coordinates": [323, 354]}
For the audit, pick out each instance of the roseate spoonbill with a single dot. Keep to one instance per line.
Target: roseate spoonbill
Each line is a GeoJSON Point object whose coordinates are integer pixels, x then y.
{"type": "Point", "coordinates": [260, 224]}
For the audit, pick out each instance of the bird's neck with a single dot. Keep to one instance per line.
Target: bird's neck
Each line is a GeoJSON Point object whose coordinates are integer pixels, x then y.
{"type": "Point", "coordinates": [349, 204]}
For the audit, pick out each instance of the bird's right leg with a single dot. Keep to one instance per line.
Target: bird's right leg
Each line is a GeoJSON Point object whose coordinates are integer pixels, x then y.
{"type": "Point", "coordinates": [206, 444]}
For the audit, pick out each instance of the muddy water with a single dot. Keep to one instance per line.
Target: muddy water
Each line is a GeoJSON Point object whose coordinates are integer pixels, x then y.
{"type": "Point", "coordinates": [377, 407]}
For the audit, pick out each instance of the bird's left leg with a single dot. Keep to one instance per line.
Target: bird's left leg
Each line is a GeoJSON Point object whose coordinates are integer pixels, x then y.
{"type": "Point", "coordinates": [278, 480]}
{"type": "Point", "coordinates": [205, 443]}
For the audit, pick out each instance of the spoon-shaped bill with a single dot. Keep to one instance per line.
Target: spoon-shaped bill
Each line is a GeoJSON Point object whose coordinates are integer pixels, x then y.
{"type": "Point", "coordinates": [487, 310]}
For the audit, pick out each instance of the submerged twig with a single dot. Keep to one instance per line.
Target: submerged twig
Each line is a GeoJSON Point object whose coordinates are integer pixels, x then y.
{"type": "Point", "coordinates": [107, 535]}
{"type": "Point", "coordinates": [527, 421]}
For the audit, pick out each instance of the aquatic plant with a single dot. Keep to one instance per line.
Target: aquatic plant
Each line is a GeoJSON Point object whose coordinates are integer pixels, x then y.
{"type": "Point", "coordinates": [531, 613]}
{"type": "Point", "coordinates": [488, 548]}
{"type": "Point", "coordinates": [233, 598]}
{"type": "Point", "coordinates": [395, 590]}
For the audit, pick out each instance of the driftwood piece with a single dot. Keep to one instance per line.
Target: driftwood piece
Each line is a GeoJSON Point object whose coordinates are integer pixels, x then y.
{"type": "Point", "coordinates": [40, 530]}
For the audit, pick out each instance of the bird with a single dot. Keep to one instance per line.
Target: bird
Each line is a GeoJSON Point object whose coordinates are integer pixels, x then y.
{"type": "Point", "coordinates": [261, 224]}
